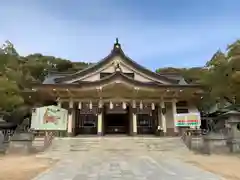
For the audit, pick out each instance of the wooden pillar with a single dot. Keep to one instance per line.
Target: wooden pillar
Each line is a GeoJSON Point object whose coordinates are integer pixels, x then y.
{"type": "Point", "coordinates": [134, 119]}
{"type": "Point", "coordinates": [174, 111]}
{"type": "Point", "coordinates": [100, 119]}
{"type": "Point", "coordinates": [130, 130]}
{"type": "Point", "coordinates": [70, 119]}
{"type": "Point", "coordinates": [74, 121]}
{"type": "Point", "coordinates": [134, 123]}
{"type": "Point", "coordinates": [69, 127]}
{"type": "Point", "coordinates": [163, 118]}
{"type": "Point", "coordinates": [99, 124]}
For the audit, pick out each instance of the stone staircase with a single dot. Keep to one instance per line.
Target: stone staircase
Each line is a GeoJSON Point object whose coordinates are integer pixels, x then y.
{"type": "Point", "coordinates": [74, 146]}
{"type": "Point", "coordinates": [38, 143]}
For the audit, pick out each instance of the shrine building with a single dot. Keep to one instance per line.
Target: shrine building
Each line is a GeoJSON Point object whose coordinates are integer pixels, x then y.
{"type": "Point", "coordinates": [118, 96]}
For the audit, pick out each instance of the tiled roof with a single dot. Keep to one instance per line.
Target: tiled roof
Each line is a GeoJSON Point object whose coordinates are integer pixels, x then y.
{"type": "Point", "coordinates": [50, 79]}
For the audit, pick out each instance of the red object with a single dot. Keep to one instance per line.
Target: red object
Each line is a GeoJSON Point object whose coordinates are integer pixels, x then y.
{"type": "Point", "coordinates": [49, 119]}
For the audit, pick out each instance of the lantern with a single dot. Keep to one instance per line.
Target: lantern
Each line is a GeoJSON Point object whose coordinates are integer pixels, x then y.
{"type": "Point", "coordinates": [90, 105]}
{"type": "Point", "coordinates": [153, 106]}
{"type": "Point", "coordinates": [124, 105]}
{"type": "Point", "coordinates": [111, 105]}
{"type": "Point", "coordinates": [79, 105]}
{"type": "Point", "coordinates": [141, 105]}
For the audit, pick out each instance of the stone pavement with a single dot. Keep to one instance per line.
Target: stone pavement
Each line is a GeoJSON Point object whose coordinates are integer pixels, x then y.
{"type": "Point", "coordinates": [125, 158]}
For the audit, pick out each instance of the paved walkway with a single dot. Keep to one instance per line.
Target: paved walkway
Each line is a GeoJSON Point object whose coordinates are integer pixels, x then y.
{"type": "Point", "coordinates": [124, 158]}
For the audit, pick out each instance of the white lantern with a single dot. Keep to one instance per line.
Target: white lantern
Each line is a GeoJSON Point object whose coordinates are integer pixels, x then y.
{"type": "Point", "coordinates": [70, 104]}
{"type": "Point", "coordinates": [100, 104]}
{"type": "Point", "coordinates": [124, 105]}
{"type": "Point", "coordinates": [111, 105]}
{"type": "Point", "coordinates": [59, 104]}
{"type": "Point", "coordinates": [134, 104]}
{"type": "Point", "coordinates": [79, 105]}
{"type": "Point", "coordinates": [153, 106]}
{"type": "Point", "coordinates": [141, 105]}
{"type": "Point", "coordinates": [90, 105]}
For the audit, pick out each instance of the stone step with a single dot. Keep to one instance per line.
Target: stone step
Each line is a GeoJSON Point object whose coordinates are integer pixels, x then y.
{"type": "Point", "coordinates": [38, 142]}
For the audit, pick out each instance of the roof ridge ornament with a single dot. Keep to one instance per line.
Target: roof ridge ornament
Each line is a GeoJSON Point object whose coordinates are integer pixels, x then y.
{"type": "Point", "coordinates": [117, 45]}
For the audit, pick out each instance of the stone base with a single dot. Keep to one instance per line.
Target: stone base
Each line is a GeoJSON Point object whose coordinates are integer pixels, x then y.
{"type": "Point", "coordinates": [188, 142]}
{"type": "Point", "coordinates": [70, 134]}
{"type": "Point", "coordinates": [2, 149]}
{"type": "Point", "coordinates": [134, 133]}
{"type": "Point", "coordinates": [207, 147]}
{"type": "Point", "coordinates": [21, 143]}
{"type": "Point", "coordinates": [100, 134]}
{"type": "Point", "coordinates": [20, 147]}
{"type": "Point", "coordinates": [171, 132]}
{"type": "Point", "coordinates": [234, 147]}
{"type": "Point", "coordinates": [22, 137]}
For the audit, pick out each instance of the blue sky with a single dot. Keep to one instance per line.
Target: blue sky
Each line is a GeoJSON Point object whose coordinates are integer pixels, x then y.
{"type": "Point", "coordinates": [155, 33]}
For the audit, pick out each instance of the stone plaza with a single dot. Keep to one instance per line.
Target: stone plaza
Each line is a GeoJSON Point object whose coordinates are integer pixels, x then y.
{"type": "Point", "coordinates": [126, 158]}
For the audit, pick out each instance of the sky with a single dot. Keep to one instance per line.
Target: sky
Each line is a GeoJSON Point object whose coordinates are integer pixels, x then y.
{"type": "Point", "coordinates": [154, 33]}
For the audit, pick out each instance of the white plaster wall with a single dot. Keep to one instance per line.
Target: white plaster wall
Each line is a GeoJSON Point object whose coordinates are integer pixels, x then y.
{"type": "Point", "coordinates": [94, 77]}
{"type": "Point", "coordinates": [141, 78]}
{"type": "Point", "coordinates": [109, 69]}
{"type": "Point", "coordinates": [125, 69]}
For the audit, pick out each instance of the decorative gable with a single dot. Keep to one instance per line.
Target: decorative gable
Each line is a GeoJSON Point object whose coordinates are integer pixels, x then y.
{"type": "Point", "coordinates": [110, 69]}
{"type": "Point", "coordinates": [116, 60]}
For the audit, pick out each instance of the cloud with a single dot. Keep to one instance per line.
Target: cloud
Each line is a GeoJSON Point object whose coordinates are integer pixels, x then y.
{"type": "Point", "coordinates": [86, 32]}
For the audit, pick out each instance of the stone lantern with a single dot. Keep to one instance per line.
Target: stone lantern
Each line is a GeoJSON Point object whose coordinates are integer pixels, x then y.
{"type": "Point", "coordinates": [233, 124]}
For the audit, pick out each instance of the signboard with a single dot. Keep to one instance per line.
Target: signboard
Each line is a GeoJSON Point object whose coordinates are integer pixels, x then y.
{"type": "Point", "coordinates": [49, 118]}
{"type": "Point", "coordinates": [188, 119]}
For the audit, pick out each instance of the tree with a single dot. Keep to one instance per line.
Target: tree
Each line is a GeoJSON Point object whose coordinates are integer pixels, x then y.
{"type": "Point", "coordinates": [233, 55]}
{"type": "Point", "coordinates": [233, 51]}
{"type": "Point", "coordinates": [217, 59]}
{"type": "Point", "coordinates": [9, 94]}
{"type": "Point", "coordinates": [223, 75]}
{"type": "Point", "coordinates": [63, 65]}
{"type": "Point", "coordinates": [191, 75]}
{"type": "Point", "coordinates": [8, 48]}
{"type": "Point", "coordinates": [16, 72]}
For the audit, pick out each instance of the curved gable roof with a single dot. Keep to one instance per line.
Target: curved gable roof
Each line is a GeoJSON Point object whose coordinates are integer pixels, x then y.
{"type": "Point", "coordinates": [116, 51]}
{"type": "Point", "coordinates": [117, 77]}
